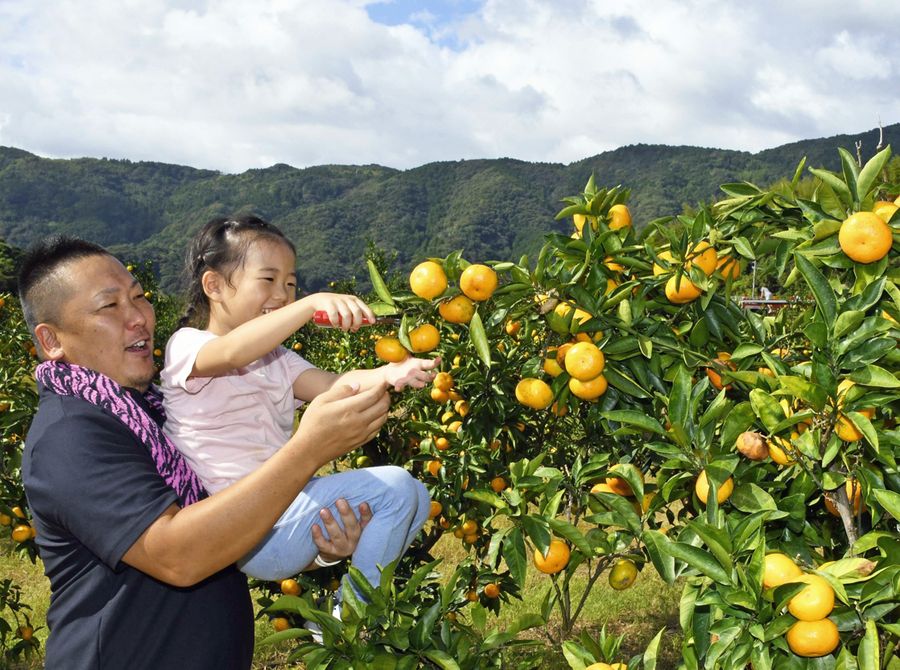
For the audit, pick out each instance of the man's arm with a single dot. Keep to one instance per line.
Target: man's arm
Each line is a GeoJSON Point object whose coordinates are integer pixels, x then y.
{"type": "Point", "coordinates": [186, 545]}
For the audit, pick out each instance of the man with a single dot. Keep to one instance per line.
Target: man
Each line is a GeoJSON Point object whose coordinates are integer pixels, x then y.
{"type": "Point", "coordinates": [139, 578]}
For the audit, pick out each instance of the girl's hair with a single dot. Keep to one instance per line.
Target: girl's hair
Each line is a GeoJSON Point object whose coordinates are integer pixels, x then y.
{"type": "Point", "coordinates": [221, 246]}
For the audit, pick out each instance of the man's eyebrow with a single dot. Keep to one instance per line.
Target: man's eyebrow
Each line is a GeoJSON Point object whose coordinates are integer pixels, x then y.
{"type": "Point", "coordinates": [111, 290]}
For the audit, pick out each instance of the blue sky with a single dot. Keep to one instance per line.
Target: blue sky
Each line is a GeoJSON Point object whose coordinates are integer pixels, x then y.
{"type": "Point", "coordinates": [231, 85]}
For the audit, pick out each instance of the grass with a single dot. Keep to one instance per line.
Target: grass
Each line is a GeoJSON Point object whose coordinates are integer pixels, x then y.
{"type": "Point", "coordinates": [637, 613]}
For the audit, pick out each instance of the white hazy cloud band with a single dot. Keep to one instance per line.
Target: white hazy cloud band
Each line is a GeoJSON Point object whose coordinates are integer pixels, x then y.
{"type": "Point", "coordinates": [233, 85]}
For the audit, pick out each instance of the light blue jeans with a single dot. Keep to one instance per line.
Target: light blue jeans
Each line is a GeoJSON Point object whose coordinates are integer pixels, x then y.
{"type": "Point", "coordinates": [400, 506]}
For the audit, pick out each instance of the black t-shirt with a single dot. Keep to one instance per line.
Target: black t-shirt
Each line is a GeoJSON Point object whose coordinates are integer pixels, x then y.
{"type": "Point", "coordinates": [93, 490]}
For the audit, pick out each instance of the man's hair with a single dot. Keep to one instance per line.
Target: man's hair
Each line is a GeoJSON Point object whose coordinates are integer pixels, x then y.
{"type": "Point", "coordinates": [41, 290]}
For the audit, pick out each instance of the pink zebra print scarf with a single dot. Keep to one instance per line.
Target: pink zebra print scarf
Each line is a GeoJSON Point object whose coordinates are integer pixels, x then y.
{"type": "Point", "coordinates": [100, 390]}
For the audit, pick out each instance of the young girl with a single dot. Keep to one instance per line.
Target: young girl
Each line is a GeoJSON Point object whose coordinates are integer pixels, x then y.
{"type": "Point", "coordinates": [227, 381]}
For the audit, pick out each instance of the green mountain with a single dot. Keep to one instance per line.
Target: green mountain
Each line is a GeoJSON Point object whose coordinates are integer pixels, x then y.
{"type": "Point", "coordinates": [492, 209]}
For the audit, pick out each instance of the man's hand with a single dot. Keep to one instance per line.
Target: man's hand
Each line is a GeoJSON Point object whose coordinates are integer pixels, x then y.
{"type": "Point", "coordinates": [340, 542]}
{"type": "Point", "coordinates": [339, 420]}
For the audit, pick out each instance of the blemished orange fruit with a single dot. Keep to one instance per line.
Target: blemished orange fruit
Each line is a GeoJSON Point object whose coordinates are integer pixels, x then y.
{"type": "Point", "coordinates": [854, 496]}
{"type": "Point", "coordinates": [686, 291]}
{"type": "Point", "coordinates": [424, 338]}
{"type": "Point", "coordinates": [884, 209]}
{"type": "Point", "coordinates": [779, 569]}
{"type": "Point", "coordinates": [812, 639]}
{"type": "Point", "coordinates": [752, 445]}
{"type": "Point", "coordinates": [534, 393]}
{"type": "Point", "coordinates": [619, 217]}
{"type": "Point", "coordinates": [279, 623]}
{"type": "Point", "coordinates": [457, 310]}
{"type": "Point", "coordinates": [555, 560]}
{"type": "Point", "coordinates": [865, 237]}
{"type": "Point", "coordinates": [498, 484]}
{"type": "Point", "coordinates": [623, 574]}
{"type": "Point", "coordinates": [428, 280]}
{"type": "Point", "coordinates": [290, 587]}
{"type": "Point", "coordinates": [434, 467]}
{"type": "Point", "coordinates": [443, 381]}
{"type": "Point", "coordinates": [390, 350]}
{"type": "Point", "coordinates": [478, 282]}
{"type": "Point", "coordinates": [619, 485]}
{"type": "Point", "coordinates": [704, 257]}
{"type": "Point", "coordinates": [435, 509]}
{"type": "Point", "coordinates": [584, 361]}
{"type": "Point", "coordinates": [728, 267]}
{"type": "Point", "coordinates": [701, 488]}
{"type": "Point", "coordinates": [561, 352]}
{"type": "Point", "coordinates": [667, 257]}
{"type": "Point", "coordinates": [492, 590]}
{"type": "Point", "coordinates": [815, 601]}
{"type": "Point", "coordinates": [513, 327]}
{"type": "Point", "coordinates": [472, 595]}
{"type": "Point", "coordinates": [21, 533]}
{"type": "Point", "coordinates": [25, 632]}
{"type": "Point", "coordinates": [589, 390]}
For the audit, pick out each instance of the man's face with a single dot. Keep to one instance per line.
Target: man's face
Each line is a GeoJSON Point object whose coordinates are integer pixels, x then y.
{"type": "Point", "coordinates": [106, 323]}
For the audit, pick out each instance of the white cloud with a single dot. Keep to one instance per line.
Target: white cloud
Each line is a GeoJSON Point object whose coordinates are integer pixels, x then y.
{"type": "Point", "coordinates": [233, 85]}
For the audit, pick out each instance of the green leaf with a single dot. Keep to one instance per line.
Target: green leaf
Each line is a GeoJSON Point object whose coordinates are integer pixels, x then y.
{"type": "Point", "coordinates": [890, 500]}
{"type": "Point", "coordinates": [825, 298]}
{"type": "Point", "coordinates": [700, 560]}
{"type": "Point", "coordinates": [442, 659]}
{"type": "Point", "coordinates": [576, 656]}
{"type": "Point", "coordinates": [537, 530]}
{"type": "Point", "coordinates": [652, 651]}
{"type": "Point", "coordinates": [422, 631]}
{"type": "Point", "coordinates": [569, 532]}
{"type": "Point", "coordinates": [869, 653]}
{"type": "Point", "coordinates": [847, 321]}
{"type": "Point", "coordinates": [739, 419]}
{"type": "Point", "coordinates": [479, 339]}
{"type": "Point", "coordinates": [680, 397]}
{"type": "Point", "coordinates": [850, 169]}
{"type": "Point", "coordinates": [870, 172]}
{"type": "Point", "coordinates": [662, 560]}
{"type": "Point", "coordinates": [836, 183]}
{"type": "Point", "coordinates": [872, 375]}
{"type": "Point", "coordinates": [749, 498]}
{"type": "Point", "coordinates": [380, 288]}
{"type": "Point", "coordinates": [635, 418]}
{"type": "Point", "coordinates": [514, 555]}
{"type": "Point", "coordinates": [766, 408]}
{"type": "Point", "coordinates": [744, 248]}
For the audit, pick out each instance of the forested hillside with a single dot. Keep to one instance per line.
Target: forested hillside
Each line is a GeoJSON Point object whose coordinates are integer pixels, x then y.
{"type": "Point", "coordinates": [490, 208]}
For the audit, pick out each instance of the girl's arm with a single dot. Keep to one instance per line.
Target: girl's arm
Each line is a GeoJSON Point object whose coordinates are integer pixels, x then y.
{"type": "Point", "coordinates": [257, 337]}
{"type": "Point", "coordinates": [415, 372]}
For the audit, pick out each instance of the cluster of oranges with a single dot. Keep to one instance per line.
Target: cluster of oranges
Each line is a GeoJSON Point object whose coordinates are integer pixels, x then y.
{"type": "Point", "coordinates": [22, 531]}
{"type": "Point", "coordinates": [814, 634]}
{"type": "Point", "coordinates": [680, 289]}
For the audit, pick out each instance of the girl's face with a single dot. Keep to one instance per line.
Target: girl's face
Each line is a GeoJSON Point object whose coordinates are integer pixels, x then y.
{"type": "Point", "coordinates": [265, 282]}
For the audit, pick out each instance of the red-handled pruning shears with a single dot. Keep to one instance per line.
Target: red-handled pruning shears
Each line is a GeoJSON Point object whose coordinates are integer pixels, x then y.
{"type": "Point", "coordinates": [320, 318]}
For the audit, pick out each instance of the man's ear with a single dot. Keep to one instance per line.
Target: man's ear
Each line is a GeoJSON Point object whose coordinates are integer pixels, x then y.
{"type": "Point", "coordinates": [48, 342]}
{"type": "Point", "coordinates": [213, 284]}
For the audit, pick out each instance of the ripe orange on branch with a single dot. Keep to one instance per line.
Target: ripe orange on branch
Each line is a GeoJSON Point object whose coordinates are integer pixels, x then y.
{"type": "Point", "coordinates": [704, 257]}
{"type": "Point", "coordinates": [534, 393]}
{"type": "Point", "coordinates": [681, 292]}
{"type": "Point", "coordinates": [390, 350]}
{"type": "Point", "coordinates": [478, 282]}
{"type": "Point", "coordinates": [811, 639]}
{"type": "Point", "coordinates": [424, 338]}
{"type": "Point", "coordinates": [854, 496]}
{"type": "Point", "coordinates": [701, 488]}
{"type": "Point", "coordinates": [457, 310]}
{"type": "Point", "coordinates": [865, 237]}
{"type": "Point", "coordinates": [779, 569]}
{"type": "Point", "coordinates": [589, 390]}
{"type": "Point", "coordinates": [584, 361]}
{"type": "Point", "coordinates": [619, 217]}
{"type": "Point", "coordinates": [815, 601]}
{"type": "Point", "coordinates": [428, 280]}
{"type": "Point", "coordinates": [555, 560]}
{"type": "Point", "coordinates": [619, 485]}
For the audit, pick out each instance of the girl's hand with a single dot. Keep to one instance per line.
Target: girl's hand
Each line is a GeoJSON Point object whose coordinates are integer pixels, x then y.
{"type": "Point", "coordinates": [415, 372]}
{"type": "Point", "coordinates": [346, 312]}
{"type": "Point", "coordinates": [341, 541]}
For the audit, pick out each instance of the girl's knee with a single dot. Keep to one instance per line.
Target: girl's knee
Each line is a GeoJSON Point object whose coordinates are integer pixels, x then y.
{"type": "Point", "coordinates": [399, 483]}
